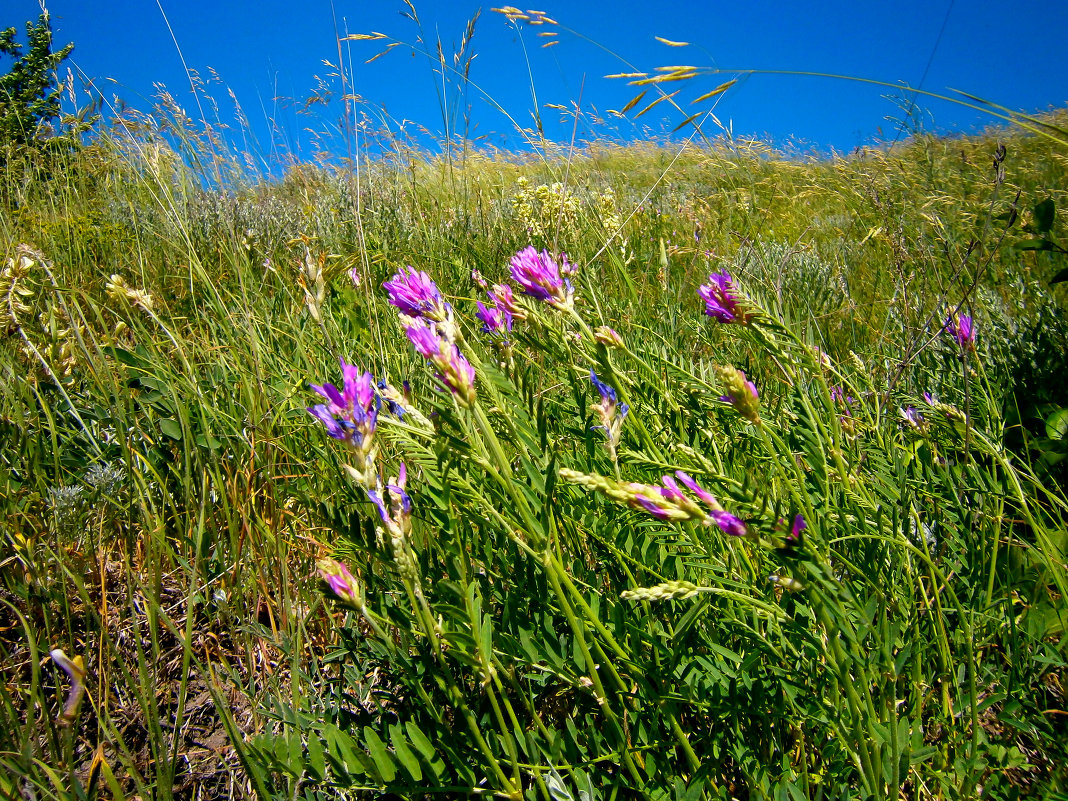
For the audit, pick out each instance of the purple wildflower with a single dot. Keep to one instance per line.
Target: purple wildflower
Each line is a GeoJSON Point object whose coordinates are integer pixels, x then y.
{"type": "Point", "coordinates": [734, 526]}
{"type": "Point", "coordinates": [652, 507]}
{"type": "Point", "coordinates": [335, 429]}
{"type": "Point", "coordinates": [396, 518]}
{"type": "Point", "coordinates": [913, 417]}
{"type": "Point", "coordinates": [838, 396]}
{"type": "Point", "coordinates": [960, 327]}
{"type": "Point", "coordinates": [671, 490]}
{"type": "Point", "coordinates": [453, 370]}
{"type": "Point", "coordinates": [502, 298]}
{"type": "Point", "coordinates": [352, 412]}
{"type": "Point", "coordinates": [796, 529]}
{"type": "Point", "coordinates": [494, 319]}
{"type": "Point", "coordinates": [697, 489]}
{"type": "Point", "coordinates": [608, 337]}
{"type": "Point", "coordinates": [340, 581]}
{"type": "Point", "coordinates": [538, 275]}
{"type": "Point", "coordinates": [610, 412]}
{"type": "Point", "coordinates": [720, 301]}
{"type": "Point", "coordinates": [566, 267]}
{"type": "Point", "coordinates": [416, 295]}
{"type": "Point", "coordinates": [390, 395]}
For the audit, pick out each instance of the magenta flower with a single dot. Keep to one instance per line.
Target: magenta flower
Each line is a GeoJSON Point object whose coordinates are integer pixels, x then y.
{"type": "Point", "coordinates": [697, 489]}
{"type": "Point", "coordinates": [799, 525]}
{"type": "Point", "coordinates": [502, 297]}
{"type": "Point", "coordinates": [494, 319]}
{"type": "Point", "coordinates": [657, 510]}
{"type": "Point", "coordinates": [350, 413]}
{"type": "Point", "coordinates": [914, 418]}
{"type": "Point", "coordinates": [453, 370]}
{"type": "Point", "coordinates": [720, 301]}
{"type": "Point", "coordinates": [340, 581]}
{"type": "Point", "coordinates": [538, 275]}
{"type": "Point", "coordinates": [416, 295]}
{"type": "Point", "coordinates": [959, 326]}
{"type": "Point", "coordinates": [734, 526]}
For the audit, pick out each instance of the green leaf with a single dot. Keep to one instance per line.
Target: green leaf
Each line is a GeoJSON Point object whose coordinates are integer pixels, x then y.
{"type": "Point", "coordinates": [343, 749]}
{"type": "Point", "coordinates": [295, 741]}
{"type": "Point", "coordinates": [386, 769]}
{"type": "Point", "coordinates": [1060, 277]}
{"type": "Point", "coordinates": [316, 758]}
{"type": "Point", "coordinates": [123, 355]}
{"type": "Point", "coordinates": [404, 753]}
{"type": "Point", "coordinates": [1057, 425]}
{"type": "Point", "coordinates": [171, 428]}
{"type": "Point", "coordinates": [1045, 212]}
{"type": "Point", "coordinates": [425, 748]}
{"type": "Point", "coordinates": [1034, 244]}
{"type": "Point", "coordinates": [208, 441]}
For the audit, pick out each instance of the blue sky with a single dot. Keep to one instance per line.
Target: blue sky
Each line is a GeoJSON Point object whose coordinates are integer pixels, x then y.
{"type": "Point", "coordinates": [270, 53]}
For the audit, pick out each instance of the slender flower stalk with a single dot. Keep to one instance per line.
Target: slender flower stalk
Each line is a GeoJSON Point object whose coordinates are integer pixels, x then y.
{"type": "Point", "coordinates": [539, 275]}
{"type": "Point", "coordinates": [740, 393]}
{"type": "Point", "coordinates": [720, 301]}
{"type": "Point", "coordinates": [350, 414]}
{"type": "Point", "coordinates": [453, 370]}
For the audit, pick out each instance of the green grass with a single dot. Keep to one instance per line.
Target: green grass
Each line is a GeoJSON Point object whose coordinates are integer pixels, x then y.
{"type": "Point", "coordinates": [165, 496]}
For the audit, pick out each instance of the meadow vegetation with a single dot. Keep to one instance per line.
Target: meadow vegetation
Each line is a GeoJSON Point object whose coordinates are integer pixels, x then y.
{"type": "Point", "coordinates": [757, 492]}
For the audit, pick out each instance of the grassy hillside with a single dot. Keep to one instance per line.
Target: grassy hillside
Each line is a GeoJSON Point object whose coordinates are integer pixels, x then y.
{"type": "Point", "coordinates": [862, 595]}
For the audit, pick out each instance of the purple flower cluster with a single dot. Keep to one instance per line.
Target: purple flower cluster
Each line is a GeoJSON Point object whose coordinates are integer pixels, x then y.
{"type": "Point", "coordinates": [340, 580]}
{"type": "Point", "coordinates": [350, 413]}
{"type": "Point", "coordinates": [539, 276]}
{"type": "Point", "coordinates": [453, 369]}
{"type": "Point", "coordinates": [720, 301]}
{"type": "Point", "coordinates": [416, 295]}
{"type": "Point", "coordinates": [960, 327]}
{"type": "Point", "coordinates": [430, 328]}
{"type": "Point", "coordinates": [668, 502]}
{"type": "Point", "coordinates": [607, 393]}
{"type": "Point", "coordinates": [495, 319]}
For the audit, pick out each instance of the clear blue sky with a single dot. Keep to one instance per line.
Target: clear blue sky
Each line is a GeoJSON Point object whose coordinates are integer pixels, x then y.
{"type": "Point", "coordinates": [267, 50]}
